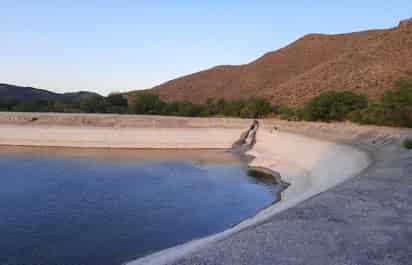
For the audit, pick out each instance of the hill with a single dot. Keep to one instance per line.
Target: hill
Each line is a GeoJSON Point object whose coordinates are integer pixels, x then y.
{"type": "Point", "coordinates": [364, 62]}
{"type": "Point", "coordinates": [29, 94]}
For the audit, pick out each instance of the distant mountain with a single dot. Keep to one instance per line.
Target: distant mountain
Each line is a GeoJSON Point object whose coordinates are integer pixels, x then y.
{"type": "Point", "coordinates": [27, 94]}
{"type": "Point", "coordinates": [364, 62]}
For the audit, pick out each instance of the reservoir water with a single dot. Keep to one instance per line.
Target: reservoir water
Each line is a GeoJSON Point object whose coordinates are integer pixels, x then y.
{"type": "Point", "coordinates": [78, 206]}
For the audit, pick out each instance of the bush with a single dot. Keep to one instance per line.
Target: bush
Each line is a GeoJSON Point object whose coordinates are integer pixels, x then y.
{"type": "Point", "coordinates": [188, 109]}
{"type": "Point", "coordinates": [94, 104]}
{"type": "Point", "coordinates": [248, 111]}
{"type": "Point", "coordinates": [73, 107]}
{"type": "Point", "coordinates": [400, 96]}
{"type": "Point", "coordinates": [116, 100]}
{"type": "Point", "coordinates": [290, 114]}
{"type": "Point", "coordinates": [5, 105]}
{"type": "Point", "coordinates": [261, 106]}
{"type": "Point", "coordinates": [148, 103]}
{"type": "Point", "coordinates": [407, 143]}
{"type": "Point", "coordinates": [116, 103]}
{"type": "Point", "coordinates": [34, 106]}
{"type": "Point", "coordinates": [384, 115]}
{"type": "Point", "coordinates": [234, 108]}
{"type": "Point", "coordinates": [215, 106]}
{"type": "Point", "coordinates": [8, 104]}
{"type": "Point", "coordinates": [394, 110]}
{"type": "Point", "coordinates": [253, 107]}
{"type": "Point", "coordinates": [25, 107]}
{"type": "Point", "coordinates": [375, 113]}
{"type": "Point", "coordinates": [171, 109]}
{"type": "Point", "coordinates": [332, 105]}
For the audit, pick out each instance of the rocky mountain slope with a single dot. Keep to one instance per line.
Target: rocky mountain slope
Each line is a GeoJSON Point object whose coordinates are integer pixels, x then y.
{"type": "Point", "coordinates": [365, 62]}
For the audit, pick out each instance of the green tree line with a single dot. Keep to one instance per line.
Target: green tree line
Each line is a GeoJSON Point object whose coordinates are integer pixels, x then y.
{"type": "Point", "coordinates": [148, 104]}
{"type": "Point", "coordinates": [393, 109]}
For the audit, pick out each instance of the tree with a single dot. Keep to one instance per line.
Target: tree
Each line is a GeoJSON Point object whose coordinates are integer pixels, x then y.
{"type": "Point", "coordinates": [255, 108]}
{"type": "Point", "coordinates": [3, 105]}
{"type": "Point", "coordinates": [332, 105]}
{"type": "Point", "coordinates": [234, 108]}
{"type": "Point", "coordinates": [94, 104]}
{"type": "Point", "coordinates": [395, 109]}
{"type": "Point", "coordinates": [117, 100]}
{"type": "Point", "coordinates": [171, 108]}
{"type": "Point", "coordinates": [148, 103]}
{"type": "Point", "coordinates": [400, 96]}
{"type": "Point", "coordinates": [188, 109]}
{"type": "Point", "coordinates": [116, 103]}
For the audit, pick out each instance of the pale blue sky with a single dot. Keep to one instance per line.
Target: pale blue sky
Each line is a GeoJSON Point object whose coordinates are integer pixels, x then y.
{"type": "Point", "coordinates": [110, 46]}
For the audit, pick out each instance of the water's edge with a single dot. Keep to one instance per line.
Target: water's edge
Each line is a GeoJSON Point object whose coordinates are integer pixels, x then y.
{"type": "Point", "coordinates": [309, 165]}
{"type": "Point", "coordinates": [295, 196]}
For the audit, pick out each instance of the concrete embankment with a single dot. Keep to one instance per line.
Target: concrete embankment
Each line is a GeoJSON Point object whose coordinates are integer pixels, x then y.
{"type": "Point", "coordinates": [365, 220]}
{"type": "Point", "coordinates": [309, 165]}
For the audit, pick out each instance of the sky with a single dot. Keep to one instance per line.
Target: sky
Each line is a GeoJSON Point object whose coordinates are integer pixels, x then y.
{"type": "Point", "coordinates": [113, 46]}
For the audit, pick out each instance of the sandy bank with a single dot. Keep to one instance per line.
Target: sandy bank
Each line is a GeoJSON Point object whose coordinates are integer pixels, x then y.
{"type": "Point", "coordinates": [99, 137]}
{"type": "Point", "coordinates": [118, 131]}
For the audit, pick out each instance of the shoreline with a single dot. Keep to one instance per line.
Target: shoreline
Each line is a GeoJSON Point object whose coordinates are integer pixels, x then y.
{"type": "Point", "coordinates": [302, 185]}
{"type": "Point", "coordinates": [367, 215]}
{"type": "Point", "coordinates": [309, 165]}
{"type": "Point", "coordinates": [111, 154]}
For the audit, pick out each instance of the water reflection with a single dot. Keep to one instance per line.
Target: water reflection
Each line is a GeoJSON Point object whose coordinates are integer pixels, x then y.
{"type": "Point", "coordinates": [85, 206]}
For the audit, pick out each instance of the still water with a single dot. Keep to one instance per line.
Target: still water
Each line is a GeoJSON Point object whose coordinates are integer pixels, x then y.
{"type": "Point", "coordinates": [68, 206]}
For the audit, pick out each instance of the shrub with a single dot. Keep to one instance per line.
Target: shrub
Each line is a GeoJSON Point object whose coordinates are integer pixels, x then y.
{"type": "Point", "coordinates": [332, 105]}
{"type": "Point", "coordinates": [263, 107]}
{"type": "Point", "coordinates": [394, 110]}
{"type": "Point", "coordinates": [255, 108]}
{"type": "Point", "coordinates": [215, 106]}
{"type": "Point", "coordinates": [4, 105]}
{"type": "Point", "coordinates": [34, 106]}
{"type": "Point", "coordinates": [188, 109]}
{"type": "Point", "coordinates": [170, 109]}
{"type": "Point", "coordinates": [73, 107]}
{"type": "Point", "coordinates": [407, 143]}
{"type": "Point", "coordinates": [116, 103]}
{"type": "Point", "coordinates": [375, 113]}
{"type": "Point", "coordinates": [9, 104]}
{"type": "Point", "coordinates": [400, 96]}
{"type": "Point", "coordinates": [94, 104]}
{"type": "Point", "coordinates": [384, 115]}
{"type": "Point", "coordinates": [148, 103]}
{"type": "Point", "coordinates": [25, 107]}
{"type": "Point", "coordinates": [290, 114]}
{"type": "Point", "coordinates": [234, 108]}
{"type": "Point", "coordinates": [248, 111]}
